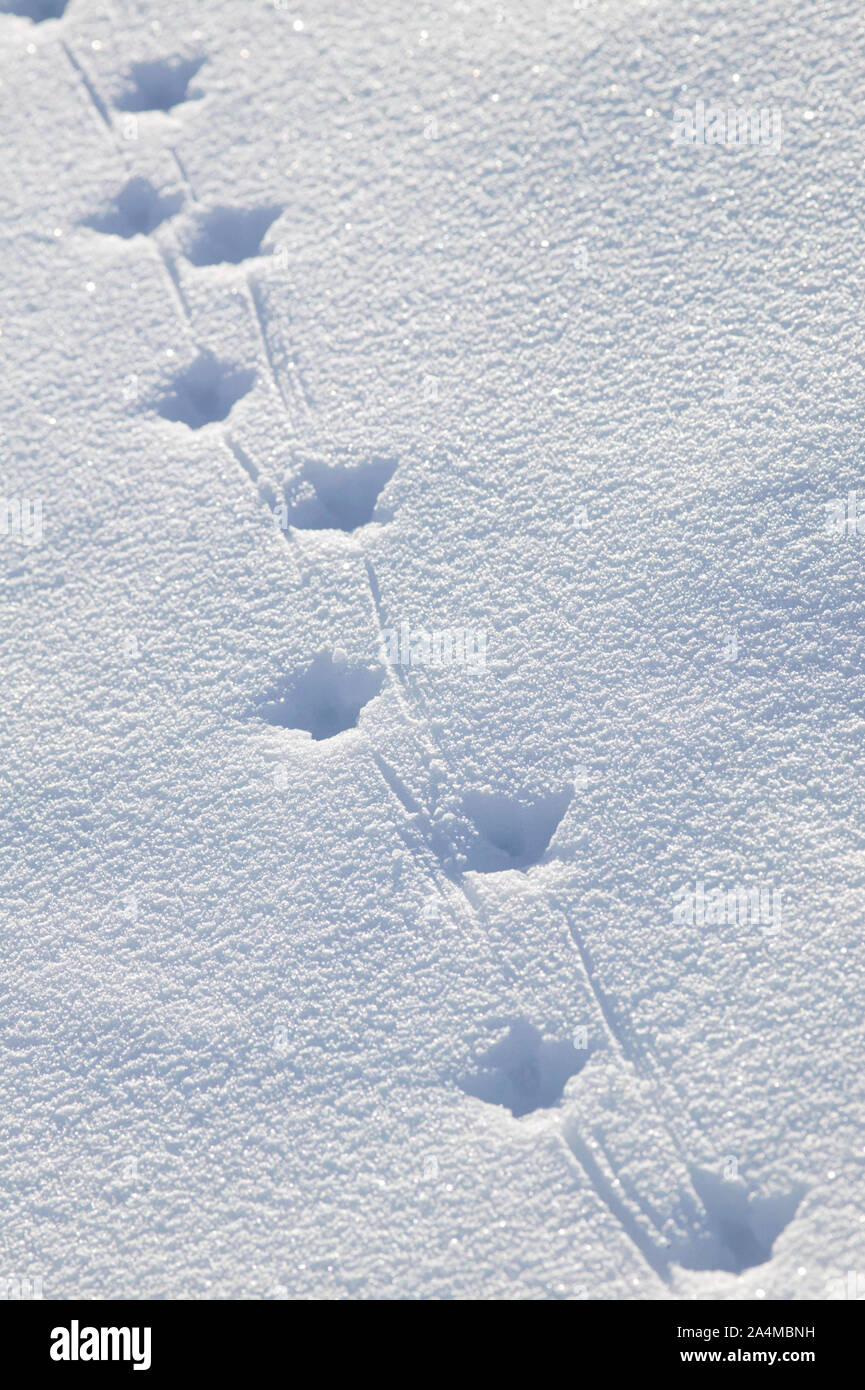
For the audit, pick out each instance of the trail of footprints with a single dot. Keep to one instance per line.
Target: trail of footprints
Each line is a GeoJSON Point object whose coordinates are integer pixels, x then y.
{"type": "Point", "coordinates": [719, 1225]}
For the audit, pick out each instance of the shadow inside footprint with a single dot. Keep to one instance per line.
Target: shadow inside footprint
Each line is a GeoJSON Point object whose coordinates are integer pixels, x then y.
{"type": "Point", "coordinates": [205, 392]}
{"type": "Point", "coordinates": [336, 497]}
{"type": "Point", "coordinates": [37, 10]}
{"type": "Point", "coordinates": [525, 1071]}
{"type": "Point", "coordinates": [511, 833]}
{"type": "Point", "coordinates": [229, 235]}
{"type": "Point", "coordinates": [159, 85]}
{"type": "Point", "coordinates": [137, 210]}
{"type": "Point", "coordinates": [739, 1229]}
{"type": "Point", "coordinates": [324, 699]}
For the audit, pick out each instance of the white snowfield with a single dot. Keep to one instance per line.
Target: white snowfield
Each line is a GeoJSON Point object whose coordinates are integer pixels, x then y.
{"type": "Point", "coordinates": [432, 524]}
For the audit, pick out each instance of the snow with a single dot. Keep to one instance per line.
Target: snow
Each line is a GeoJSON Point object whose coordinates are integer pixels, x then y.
{"type": "Point", "coordinates": [431, 650]}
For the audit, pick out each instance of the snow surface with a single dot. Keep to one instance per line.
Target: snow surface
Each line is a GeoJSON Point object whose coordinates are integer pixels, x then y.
{"type": "Point", "coordinates": [325, 327]}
